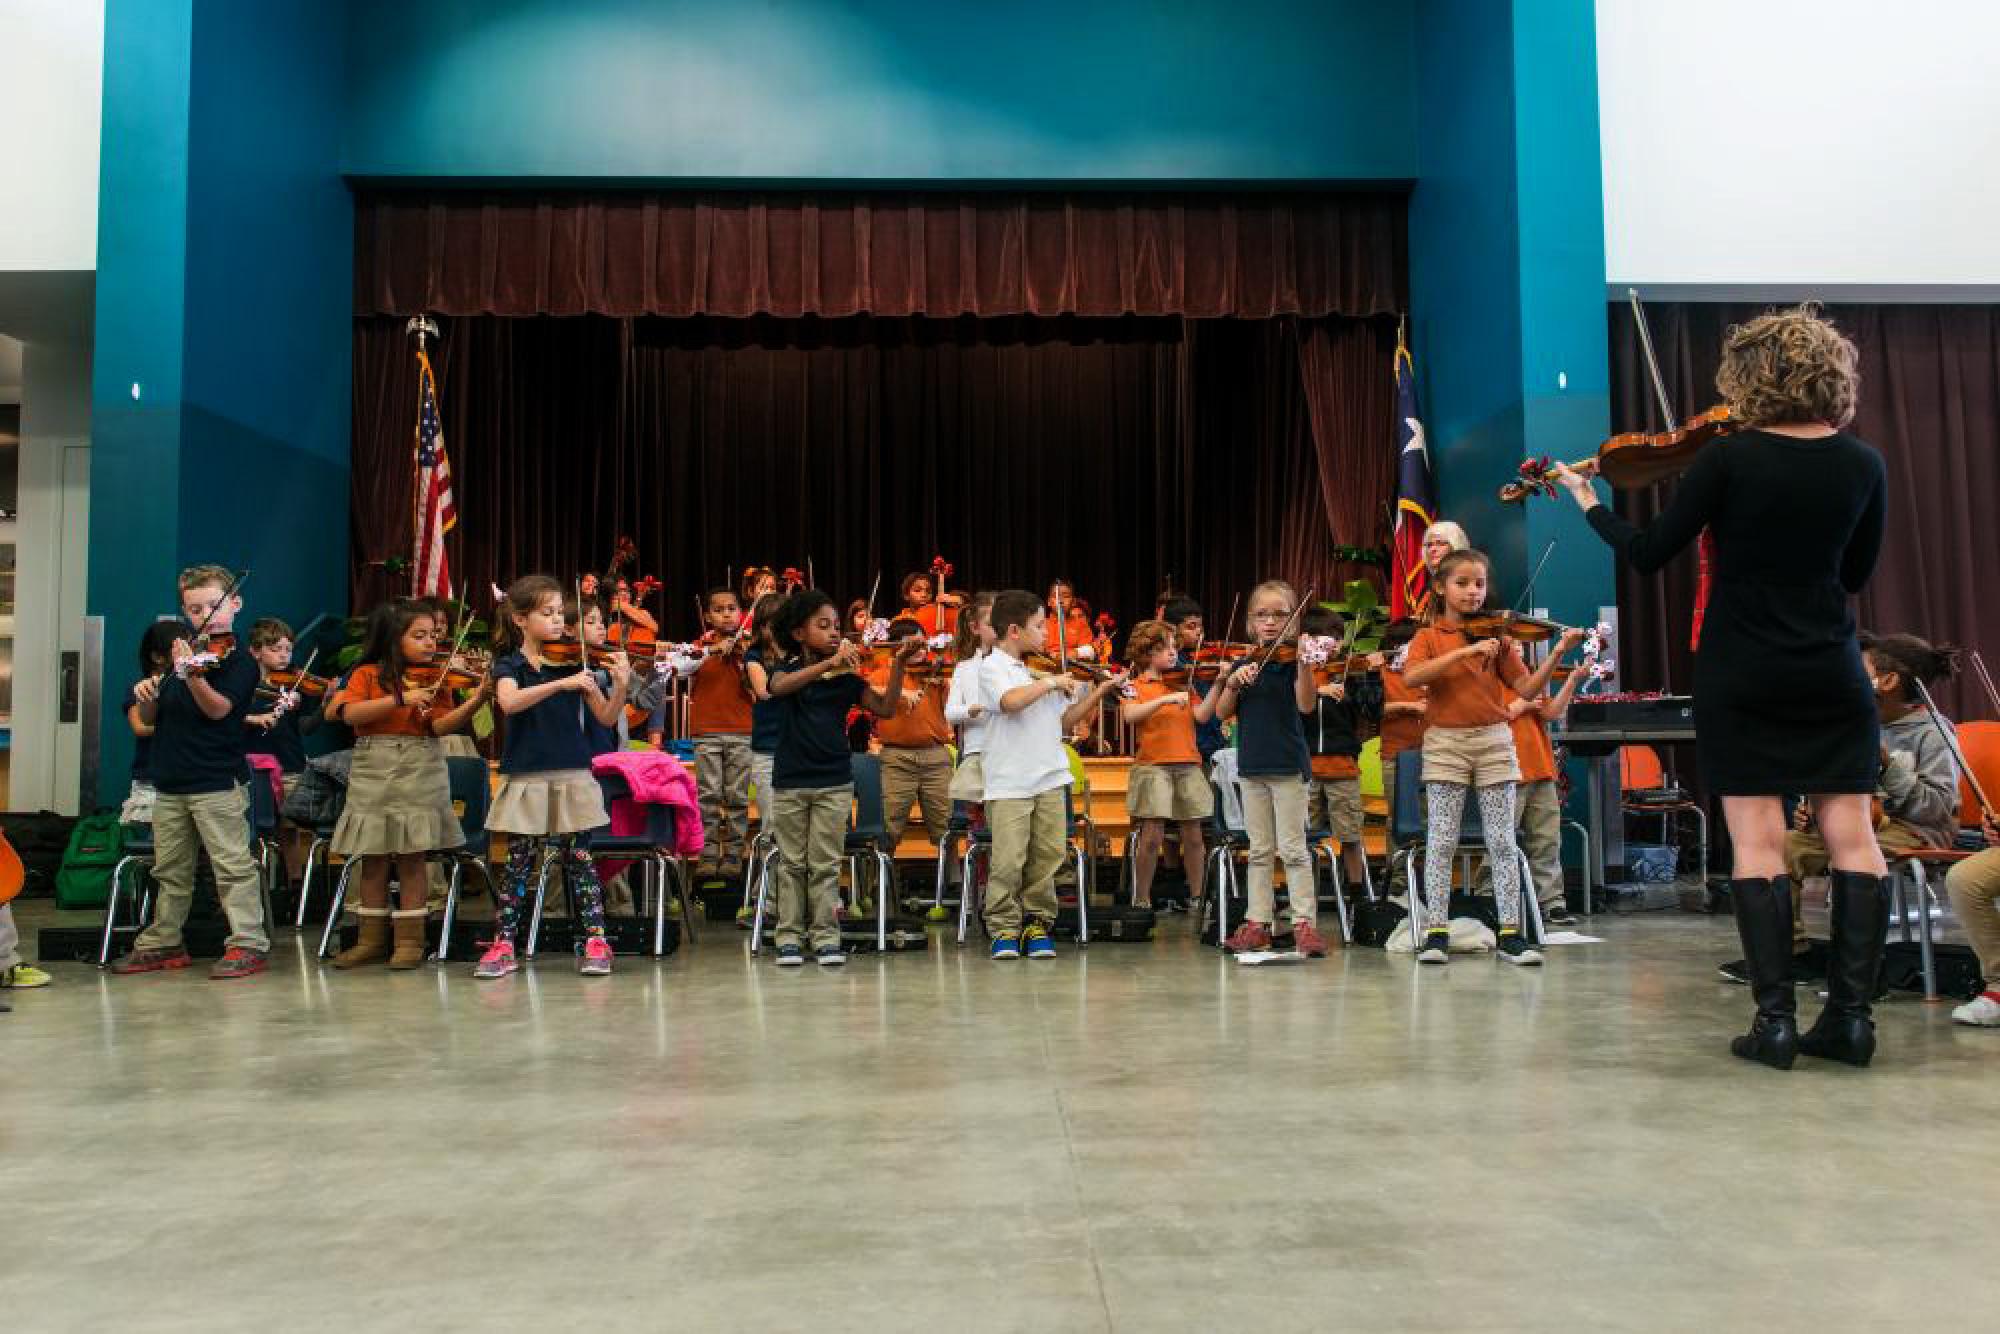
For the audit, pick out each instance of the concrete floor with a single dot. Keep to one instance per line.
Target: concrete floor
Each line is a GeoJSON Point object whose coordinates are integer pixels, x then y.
{"type": "Point", "coordinates": [1137, 1138]}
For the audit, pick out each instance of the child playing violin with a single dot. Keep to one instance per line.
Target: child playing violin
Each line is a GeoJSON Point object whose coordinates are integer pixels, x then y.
{"type": "Point", "coordinates": [196, 711]}
{"type": "Point", "coordinates": [916, 743]}
{"type": "Point", "coordinates": [759, 660]}
{"type": "Point", "coordinates": [719, 720]}
{"type": "Point", "coordinates": [1185, 616]}
{"type": "Point", "coordinates": [932, 614]}
{"type": "Point", "coordinates": [1345, 702]}
{"type": "Point", "coordinates": [285, 714]}
{"type": "Point", "coordinates": [156, 659]}
{"type": "Point", "coordinates": [812, 772]}
{"type": "Point", "coordinates": [1067, 628]}
{"type": "Point", "coordinates": [548, 798]}
{"type": "Point", "coordinates": [398, 808]}
{"type": "Point", "coordinates": [1468, 745]}
{"type": "Point", "coordinates": [1269, 702]}
{"type": "Point", "coordinates": [589, 624]}
{"type": "Point", "coordinates": [1167, 781]}
{"type": "Point", "coordinates": [1025, 771]}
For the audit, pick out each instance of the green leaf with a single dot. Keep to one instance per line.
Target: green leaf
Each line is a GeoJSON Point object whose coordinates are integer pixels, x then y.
{"type": "Point", "coordinates": [347, 657]}
{"type": "Point", "coordinates": [1361, 595]}
{"type": "Point", "coordinates": [482, 722]}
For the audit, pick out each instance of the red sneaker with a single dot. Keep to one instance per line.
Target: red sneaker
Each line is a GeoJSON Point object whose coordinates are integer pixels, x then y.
{"type": "Point", "coordinates": [151, 961]}
{"type": "Point", "coordinates": [1307, 940]}
{"type": "Point", "coordinates": [238, 962]}
{"type": "Point", "coordinates": [1248, 937]}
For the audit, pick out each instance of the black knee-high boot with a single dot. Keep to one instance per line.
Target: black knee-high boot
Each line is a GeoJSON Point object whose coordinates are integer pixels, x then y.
{"type": "Point", "coordinates": [1859, 927]}
{"type": "Point", "coordinates": [1764, 923]}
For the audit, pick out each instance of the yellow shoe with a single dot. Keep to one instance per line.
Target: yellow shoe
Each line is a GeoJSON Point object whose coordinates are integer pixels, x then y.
{"type": "Point", "coordinates": [21, 977]}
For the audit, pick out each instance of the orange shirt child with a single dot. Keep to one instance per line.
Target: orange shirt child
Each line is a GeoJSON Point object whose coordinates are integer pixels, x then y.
{"type": "Point", "coordinates": [1167, 735]}
{"type": "Point", "coordinates": [1469, 694]}
{"type": "Point", "coordinates": [914, 728]}
{"type": "Point", "coordinates": [1401, 730]}
{"type": "Point", "coordinates": [718, 700]}
{"type": "Point", "coordinates": [365, 683]}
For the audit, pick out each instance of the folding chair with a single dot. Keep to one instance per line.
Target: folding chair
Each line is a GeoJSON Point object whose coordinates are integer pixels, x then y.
{"type": "Point", "coordinates": [651, 848]}
{"type": "Point", "coordinates": [972, 899]}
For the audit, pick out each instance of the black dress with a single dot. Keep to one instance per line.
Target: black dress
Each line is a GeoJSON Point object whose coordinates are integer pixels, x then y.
{"type": "Point", "coordinates": [1782, 703]}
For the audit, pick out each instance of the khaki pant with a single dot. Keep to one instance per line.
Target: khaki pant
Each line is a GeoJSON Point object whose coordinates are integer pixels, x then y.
{"type": "Point", "coordinates": [1334, 804]}
{"type": "Point", "coordinates": [182, 827]}
{"type": "Point", "coordinates": [1029, 836]}
{"type": "Point", "coordinates": [1538, 832]}
{"type": "Point", "coordinates": [1806, 855]}
{"type": "Point", "coordinates": [811, 825]}
{"type": "Point", "coordinates": [722, 776]}
{"type": "Point", "coordinates": [1274, 815]}
{"type": "Point", "coordinates": [1974, 885]}
{"type": "Point", "coordinates": [919, 775]}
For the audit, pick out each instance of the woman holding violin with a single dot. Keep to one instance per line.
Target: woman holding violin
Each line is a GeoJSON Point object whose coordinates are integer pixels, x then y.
{"type": "Point", "coordinates": [1794, 505]}
{"type": "Point", "coordinates": [398, 806]}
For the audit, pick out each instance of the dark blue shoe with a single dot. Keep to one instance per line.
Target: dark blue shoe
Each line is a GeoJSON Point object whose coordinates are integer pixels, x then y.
{"type": "Point", "coordinates": [1040, 946]}
{"type": "Point", "coordinates": [790, 956]}
{"type": "Point", "coordinates": [830, 956]}
{"type": "Point", "coordinates": [1006, 947]}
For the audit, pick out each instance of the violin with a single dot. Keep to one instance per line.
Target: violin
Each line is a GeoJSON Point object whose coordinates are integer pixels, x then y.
{"type": "Point", "coordinates": [303, 682]}
{"type": "Point", "coordinates": [209, 652]}
{"type": "Point", "coordinates": [1510, 625]}
{"type": "Point", "coordinates": [435, 676]}
{"type": "Point", "coordinates": [567, 652]}
{"type": "Point", "coordinates": [1043, 665]}
{"type": "Point", "coordinates": [1632, 458]}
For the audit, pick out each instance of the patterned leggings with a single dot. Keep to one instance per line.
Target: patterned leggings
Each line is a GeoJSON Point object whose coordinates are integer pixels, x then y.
{"type": "Point", "coordinates": [1496, 815]}
{"type": "Point", "coordinates": [524, 854]}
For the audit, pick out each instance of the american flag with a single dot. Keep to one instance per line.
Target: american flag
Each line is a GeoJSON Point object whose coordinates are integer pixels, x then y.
{"type": "Point", "coordinates": [435, 513]}
{"type": "Point", "coordinates": [1416, 496]}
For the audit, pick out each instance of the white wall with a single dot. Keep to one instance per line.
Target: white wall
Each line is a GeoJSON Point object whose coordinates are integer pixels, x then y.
{"type": "Point", "coordinates": [51, 91]}
{"type": "Point", "coordinates": [1811, 143]}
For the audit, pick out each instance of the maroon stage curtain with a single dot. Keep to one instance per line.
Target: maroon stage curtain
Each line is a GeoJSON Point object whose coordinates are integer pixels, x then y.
{"type": "Point", "coordinates": [1118, 452]}
{"type": "Point", "coordinates": [1930, 401]}
{"type": "Point", "coordinates": [881, 253]}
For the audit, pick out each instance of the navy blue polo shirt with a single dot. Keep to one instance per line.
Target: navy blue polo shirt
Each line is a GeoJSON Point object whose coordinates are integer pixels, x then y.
{"type": "Point", "coordinates": [602, 740]}
{"type": "Point", "coordinates": [142, 746]}
{"type": "Point", "coordinates": [765, 714]}
{"type": "Point", "coordinates": [285, 742]}
{"type": "Point", "coordinates": [812, 731]}
{"type": "Point", "coordinates": [193, 753]}
{"type": "Point", "coordinates": [550, 735]}
{"type": "Point", "coordinates": [1270, 733]}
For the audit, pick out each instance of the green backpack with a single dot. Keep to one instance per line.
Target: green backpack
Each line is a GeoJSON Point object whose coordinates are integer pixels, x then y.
{"type": "Point", "coordinates": [96, 845]}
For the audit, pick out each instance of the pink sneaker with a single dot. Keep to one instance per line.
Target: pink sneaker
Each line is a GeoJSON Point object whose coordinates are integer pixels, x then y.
{"type": "Point", "coordinates": [596, 960]}
{"type": "Point", "coordinates": [498, 961]}
{"type": "Point", "coordinates": [1248, 937]}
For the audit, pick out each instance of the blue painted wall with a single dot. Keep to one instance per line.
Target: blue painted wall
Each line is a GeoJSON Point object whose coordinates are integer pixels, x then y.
{"type": "Point", "coordinates": [225, 251]}
{"type": "Point", "coordinates": [881, 90]}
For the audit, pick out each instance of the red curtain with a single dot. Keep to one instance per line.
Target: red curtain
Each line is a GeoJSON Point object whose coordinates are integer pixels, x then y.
{"type": "Point", "coordinates": [1118, 452]}
{"type": "Point", "coordinates": [1930, 401]}
{"type": "Point", "coordinates": [881, 253]}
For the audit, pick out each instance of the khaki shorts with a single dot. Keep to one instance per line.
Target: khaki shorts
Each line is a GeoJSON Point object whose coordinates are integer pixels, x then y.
{"type": "Point", "coordinates": [1474, 756]}
{"type": "Point", "coordinates": [1169, 792]}
{"type": "Point", "coordinates": [968, 781]}
{"type": "Point", "coordinates": [1334, 804]}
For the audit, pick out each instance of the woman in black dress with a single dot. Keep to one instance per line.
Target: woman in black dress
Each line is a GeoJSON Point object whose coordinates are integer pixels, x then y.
{"type": "Point", "coordinates": [1782, 700]}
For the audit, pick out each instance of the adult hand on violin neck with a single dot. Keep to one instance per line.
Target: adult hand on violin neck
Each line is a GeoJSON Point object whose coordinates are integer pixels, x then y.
{"type": "Point", "coordinates": [1576, 481]}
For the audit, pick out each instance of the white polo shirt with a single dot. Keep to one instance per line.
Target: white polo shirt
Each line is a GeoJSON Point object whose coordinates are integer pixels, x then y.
{"type": "Point", "coordinates": [1024, 754]}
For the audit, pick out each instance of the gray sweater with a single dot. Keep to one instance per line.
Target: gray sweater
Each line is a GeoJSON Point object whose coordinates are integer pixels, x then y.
{"type": "Point", "coordinates": [1919, 785]}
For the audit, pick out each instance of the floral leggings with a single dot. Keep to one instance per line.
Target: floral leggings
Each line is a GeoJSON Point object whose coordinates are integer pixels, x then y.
{"type": "Point", "coordinates": [524, 854]}
{"type": "Point", "coordinates": [1496, 816]}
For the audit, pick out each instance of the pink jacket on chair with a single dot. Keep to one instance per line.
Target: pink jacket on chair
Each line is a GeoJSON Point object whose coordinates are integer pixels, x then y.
{"type": "Point", "coordinates": [656, 779]}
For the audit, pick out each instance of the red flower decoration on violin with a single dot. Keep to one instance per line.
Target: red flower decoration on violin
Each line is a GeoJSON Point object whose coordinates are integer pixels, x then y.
{"type": "Point", "coordinates": [792, 578]}
{"type": "Point", "coordinates": [942, 568]}
{"type": "Point", "coordinates": [1105, 623]}
{"type": "Point", "coordinates": [646, 586]}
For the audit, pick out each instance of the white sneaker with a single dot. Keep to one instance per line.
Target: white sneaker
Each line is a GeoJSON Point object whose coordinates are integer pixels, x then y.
{"type": "Point", "coordinates": [1981, 1012]}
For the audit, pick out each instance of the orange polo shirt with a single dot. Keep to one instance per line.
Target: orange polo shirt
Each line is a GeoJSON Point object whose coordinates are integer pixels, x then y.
{"type": "Point", "coordinates": [718, 700]}
{"type": "Point", "coordinates": [1468, 694]}
{"type": "Point", "coordinates": [1400, 731]}
{"type": "Point", "coordinates": [1167, 734]}
{"type": "Point", "coordinates": [918, 728]}
{"type": "Point", "coordinates": [365, 683]}
{"type": "Point", "coordinates": [1532, 747]}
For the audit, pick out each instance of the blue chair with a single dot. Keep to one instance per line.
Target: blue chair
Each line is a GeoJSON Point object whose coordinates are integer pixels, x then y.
{"type": "Point", "coordinates": [867, 835]}
{"type": "Point", "coordinates": [319, 858]}
{"type": "Point", "coordinates": [1226, 842]}
{"type": "Point", "coordinates": [1406, 826]}
{"type": "Point", "coordinates": [264, 835]}
{"type": "Point", "coordinates": [972, 900]}
{"type": "Point", "coordinates": [651, 849]}
{"type": "Point", "coordinates": [470, 796]}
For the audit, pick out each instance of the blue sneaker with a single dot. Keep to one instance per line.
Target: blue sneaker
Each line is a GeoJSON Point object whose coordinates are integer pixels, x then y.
{"type": "Point", "coordinates": [1006, 947]}
{"type": "Point", "coordinates": [1040, 946]}
{"type": "Point", "coordinates": [790, 956]}
{"type": "Point", "coordinates": [830, 956]}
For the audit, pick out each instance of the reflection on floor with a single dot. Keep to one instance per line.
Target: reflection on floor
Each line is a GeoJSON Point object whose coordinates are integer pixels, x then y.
{"type": "Point", "coordinates": [1140, 1137]}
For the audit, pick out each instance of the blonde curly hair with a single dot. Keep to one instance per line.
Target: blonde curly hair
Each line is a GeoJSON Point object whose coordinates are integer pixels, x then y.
{"type": "Point", "coordinates": [1789, 366]}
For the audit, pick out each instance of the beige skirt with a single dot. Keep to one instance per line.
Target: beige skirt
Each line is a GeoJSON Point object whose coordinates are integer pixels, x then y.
{"type": "Point", "coordinates": [398, 799]}
{"type": "Point", "coordinates": [553, 801]}
{"type": "Point", "coordinates": [968, 781]}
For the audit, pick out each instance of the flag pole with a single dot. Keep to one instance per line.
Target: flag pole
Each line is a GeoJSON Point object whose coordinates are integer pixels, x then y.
{"type": "Point", "coordinates": [423, 326]}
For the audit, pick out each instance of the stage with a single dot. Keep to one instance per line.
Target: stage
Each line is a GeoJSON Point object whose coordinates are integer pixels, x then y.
{"type": "Point", "coordinates": [1132, 1137]}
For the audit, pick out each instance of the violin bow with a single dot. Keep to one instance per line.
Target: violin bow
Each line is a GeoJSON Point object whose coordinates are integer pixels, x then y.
{"type": "Point", "coordinates": [1062, 636]}
{"type": "Point", "coordinates": [1986, 679]}
{"type": "Point", "coordinates": [279, 691]}
{"type": "Point", "coordinates": [1951, 744]}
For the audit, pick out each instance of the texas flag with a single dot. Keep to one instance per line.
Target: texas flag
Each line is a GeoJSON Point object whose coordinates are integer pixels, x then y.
{"type": "Point", "coordinates": [1416, 496]}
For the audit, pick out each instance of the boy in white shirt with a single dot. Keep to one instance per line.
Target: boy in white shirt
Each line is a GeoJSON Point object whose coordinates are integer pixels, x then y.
{"type": "Point", "coordinates": [1026, 770]}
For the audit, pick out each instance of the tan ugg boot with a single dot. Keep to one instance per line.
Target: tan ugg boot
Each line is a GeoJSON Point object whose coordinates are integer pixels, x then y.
{"type": "Point", "coordinates": [371, 943]}
{"type": "Point", "coordinates": [409, 938]}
